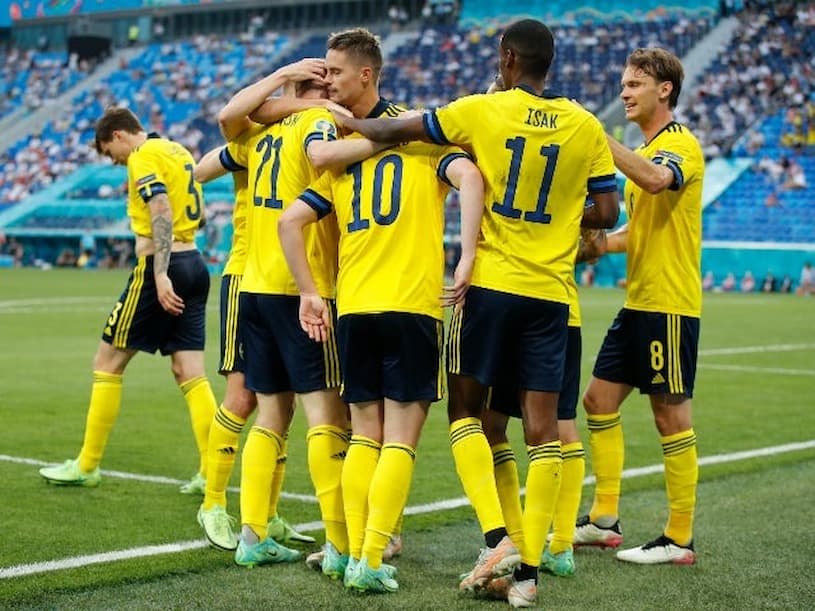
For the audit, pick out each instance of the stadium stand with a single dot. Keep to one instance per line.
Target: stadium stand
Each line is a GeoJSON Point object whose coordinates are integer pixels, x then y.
{"type": "Point", "coordinates": [29, 77]}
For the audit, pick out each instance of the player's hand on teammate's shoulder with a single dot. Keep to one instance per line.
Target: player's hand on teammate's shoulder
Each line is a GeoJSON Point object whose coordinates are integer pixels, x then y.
{"type": "Point", "coordinates": [167, 297]}
{"type": "Point", "coordinates": [336, 109]}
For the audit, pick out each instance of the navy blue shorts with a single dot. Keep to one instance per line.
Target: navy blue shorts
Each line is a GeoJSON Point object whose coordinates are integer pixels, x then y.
{"type": "Point", "coordinates": [500, 336]}
{"type": "Point", "coordinates": [138, 322]}
{"type": "Point", "coordinates": [393, 355]}
{"type": "Point", "coordinates": [231, 347]}
{"type": "Point", "coordinates": [279, 355]}
{"type": "Point", "coordinates": [652, 351]}
{"type": "Point", "coordinates": [504, 399]}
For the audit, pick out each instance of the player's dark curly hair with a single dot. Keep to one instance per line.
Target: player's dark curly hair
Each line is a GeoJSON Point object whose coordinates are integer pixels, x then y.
{"type": "Point", "coordinates": [662, 65]}
{"type": "Point", "coordinates": [533, 44]}
{"type": "Point", "coordinates": [360, 45]}
{"type": "Point", "coordinates": [115, 118]}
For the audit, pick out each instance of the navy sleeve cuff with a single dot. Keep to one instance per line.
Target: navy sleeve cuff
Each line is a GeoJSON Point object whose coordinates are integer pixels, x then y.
{"type": "Point", "coordinates": [317, 202]}
{"type": "Point", "coordinates": [229, 162]}
{"type": "Point", "coordinates": [433, 128]}
{"type": "Point", "coordinates": [602, 184]}
{"type": "Point", "coordinates": [148, 192]}
{"type": "Point", "coordinates": [441, 172]}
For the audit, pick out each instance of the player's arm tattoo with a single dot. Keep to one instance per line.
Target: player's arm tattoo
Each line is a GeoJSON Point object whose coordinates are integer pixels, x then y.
{"type": "Point", "coordinates": [592, 244]}
{"type": "Point", "coordinates": [162, 222]}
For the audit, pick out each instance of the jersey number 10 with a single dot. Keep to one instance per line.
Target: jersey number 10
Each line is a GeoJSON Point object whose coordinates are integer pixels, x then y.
{"type": "Point", "coordinates": [355, 170]}
{"type": "Point", "coordinates": [506, 208]}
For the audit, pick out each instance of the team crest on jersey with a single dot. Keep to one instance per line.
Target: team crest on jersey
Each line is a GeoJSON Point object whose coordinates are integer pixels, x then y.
{"type": "Point", "coordinates": [326, 127]}
{"type": "Point", "coordinates": [145, 179]}
{"type": "Point", "coordinates": [669, 155]}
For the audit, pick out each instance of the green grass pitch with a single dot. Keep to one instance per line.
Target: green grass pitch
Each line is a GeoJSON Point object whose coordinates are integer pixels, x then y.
{"type": "Point", "coordinates": [754, 531]}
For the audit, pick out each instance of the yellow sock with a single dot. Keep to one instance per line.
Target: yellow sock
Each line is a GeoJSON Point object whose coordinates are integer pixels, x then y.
{"type": "Point", "coordinates": [397, 530]}
{"type": "Point", "coordinates": [681, 476]}
{"type": "Point", "coordinates": [387, 497]}
{"type": "Point", "coordinates": [568, 500]}
{"type": "Point", "coordinates": [607, 455]}
{"type": "Point", "coordinates": [260, 453]}
{"type": "Point", "coordinates": [222, 448]}
{"type": "Point", "coordinates": [327, 447]}
{"type": "Point", "coordinates": [509, 491]}
{"type": "Point", "coordinates": [278, 477]}
{"type": "Point", "coordinates": [542, 488]}
{"type": "Point", "coordinates": [202, 405]}
{"type": "Point", "coordinates": [473, 459]}
{"type": "Point", "coordinates": [106, 397]}
{"type": "Point", "coordinates": [357, 472]}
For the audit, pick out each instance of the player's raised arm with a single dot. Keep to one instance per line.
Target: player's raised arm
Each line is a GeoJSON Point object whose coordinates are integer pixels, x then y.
{"type": "Point", "coordinates": [234, 117]}
{"type": "Point", "coordinates": [210, 166]}
{"type": "Point", "coordinates": [465, 176]}
{"type": "Point", "coordinates": [651, 177]}
{"type": "Point", "coordinates": [390, 131]}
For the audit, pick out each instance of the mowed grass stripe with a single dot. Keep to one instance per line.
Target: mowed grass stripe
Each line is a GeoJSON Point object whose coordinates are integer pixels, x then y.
{"type": "Point", "coordinates": [22, 570]}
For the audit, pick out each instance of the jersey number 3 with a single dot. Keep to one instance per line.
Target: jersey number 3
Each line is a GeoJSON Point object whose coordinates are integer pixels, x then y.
{"type": "Point", "coordinates": [506, 208]}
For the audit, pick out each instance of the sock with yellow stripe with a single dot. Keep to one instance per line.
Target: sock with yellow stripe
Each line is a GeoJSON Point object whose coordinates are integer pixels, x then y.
{"type": "Point", "coordinates": [509, 491]}
{"type": "Point", "coordinates": [106, 398]}
{"type": "Point", "coordinates": [357, 473]}
{"type": "Point", "coordinates": [260, 453]}
{"type": "Point", "coordinates": [278, 477]}
{"type": "Point", "coordinates": [542, 488]}
{"type": "Point", "coordinates": [607, 455]}
{"type": "Point", "coordinates": [473, 458]}
{"type": "Point", "coordinates": [202, 405]}
{"type": "Point", "coordinates": [327, 446]}
{"type": "Point", "coordinates": [681, 476]}
{"type": "Point", "coordinates": [568, 500]}
{"type": "Point", "coordinates": [222, 449]}
{"type": "Point", "coordinates": [387, 497]}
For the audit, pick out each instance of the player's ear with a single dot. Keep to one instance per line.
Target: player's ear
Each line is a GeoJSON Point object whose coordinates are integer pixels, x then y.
{"type": "Point", "coordinates": [366, 74]}
{"type": "Point", "coordinates": [665, 90]}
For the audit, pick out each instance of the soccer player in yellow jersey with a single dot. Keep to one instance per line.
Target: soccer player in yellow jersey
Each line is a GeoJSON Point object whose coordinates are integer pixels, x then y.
{"type": "Point", "coordinates": [540, 156]}
{"type": "Point", "coordinates": [239, 402]}
{"type": "Point", "coordinates": [282, 159]}
{"type": "Point", "coordinates": [652, 344]}
{"type": "Point", "coordinates": [164, 302]}
{"type": "Point", "coordinates": [389, 330]}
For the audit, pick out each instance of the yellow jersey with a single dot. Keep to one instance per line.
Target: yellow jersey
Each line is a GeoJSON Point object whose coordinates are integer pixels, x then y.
{"type": "Point", "coordinates": [278, 170]}
{"type": "Point", "coordinates": [574, 302]}
{"type": "Point", "coordinates": [539, 156]}
{"type": "Point", "coordinates": [240, 239]}
{"type": "Point", "coordinates": [390, 211]}
{"type": "Point", "coordinates": [163, 166]}
{"type": "Point", "coordinates": [665, 229]}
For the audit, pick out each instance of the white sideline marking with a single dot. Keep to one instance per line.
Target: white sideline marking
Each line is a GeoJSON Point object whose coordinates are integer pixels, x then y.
{"type": "Point", "coordinates": [753, 349]}
{"type": "Point", "coordinates": [153, 479]}
{"type": "Point", "coordinates": [745, 368]}
{"type": "Point", "coordinates": [22, 570]}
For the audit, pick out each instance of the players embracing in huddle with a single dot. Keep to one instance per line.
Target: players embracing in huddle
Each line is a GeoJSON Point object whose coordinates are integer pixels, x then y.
{"type": "Point", "coordinates": [334, 294]}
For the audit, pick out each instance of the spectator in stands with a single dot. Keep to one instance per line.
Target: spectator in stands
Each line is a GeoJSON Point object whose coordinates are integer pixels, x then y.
{"type": "Point", "coordinates": [786, 285]}
{"type": "Point", "coordinates": [748, 282]}
{"type": "Point", "coordinates": [729, 282]}
{"type": "Point", "coordinates": [66, 258]}
{"type": "Point", "coordinates": [768, 284]}
{"type": "Point", "coordinates": [806, 285]}
{"type": "Point", "coordinates": [794, 177]}
{"type": "Point", "coordinates": [771, 167]}
{"type": "Point", "coordinates": [709, 281]}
